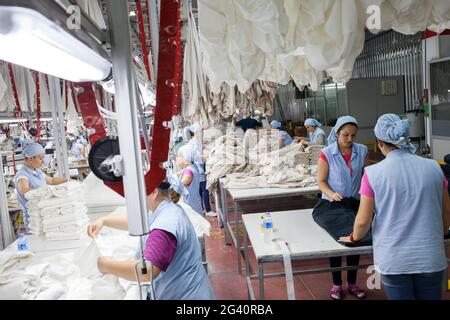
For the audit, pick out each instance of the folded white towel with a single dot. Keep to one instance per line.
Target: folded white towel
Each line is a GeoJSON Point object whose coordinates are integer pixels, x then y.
{"type": "Point", "coordinates": [62, 236]}
{"type": "Point", "coordinates": [72, 218]}
{"type": "Point", "coordinates": [59, 202]}
{"type": "Point", "coordinates": [41, 193]}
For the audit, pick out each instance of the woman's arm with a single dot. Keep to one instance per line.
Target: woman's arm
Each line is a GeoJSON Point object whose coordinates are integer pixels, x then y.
{"type": "Point", "coordinates": [125, 269]}
{"type": "Point", "coordinates": [446, 210]}
{"type": "Point", "coordinates": [186, 180]}
{"type": "Point", "coordinates": [322, 180]}
{"type": "Point", "coordinates": [23, 186]}
{"type": "Point", "coordinates": [55, 180]}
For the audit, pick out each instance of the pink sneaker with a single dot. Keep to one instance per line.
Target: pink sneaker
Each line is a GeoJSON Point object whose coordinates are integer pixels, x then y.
{"type": "Point", "coordinates": [336, 292]}
{"type": "Point", "coordinates": [356, 291]}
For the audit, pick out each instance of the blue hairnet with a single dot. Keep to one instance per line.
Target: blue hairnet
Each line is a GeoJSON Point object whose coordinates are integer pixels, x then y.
{"type": "Point", "coordinates": [31, 148]}
{"type": "Point", "coordinates": [275, 124]}
{"type": "Point", "coordinates": [339, 123]}
{"type": "Point", "coordinates": [312, 122]}
{"type": "Point", "coordinates": [176, 184]}
{"type": "Point", "coordinates": [82, 140]}
{"type": "Point", "coordinates": [391, 129]}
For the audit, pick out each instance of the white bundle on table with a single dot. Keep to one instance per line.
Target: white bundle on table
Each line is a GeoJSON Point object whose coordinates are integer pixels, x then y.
{"type": "Point", "coordinates": [314, 153]}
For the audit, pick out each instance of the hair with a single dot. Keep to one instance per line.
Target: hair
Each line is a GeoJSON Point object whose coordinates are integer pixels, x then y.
{"type": "Point", "coordinates": [390, 145]}
{"type": "Point", "coordinates": [350, 123]}
{"type": "Point", "coordinates": [170, 193]}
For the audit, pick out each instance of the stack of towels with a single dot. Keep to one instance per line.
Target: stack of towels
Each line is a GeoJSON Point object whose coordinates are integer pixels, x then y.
{"type": "Point", "coordinates": [58, 212]}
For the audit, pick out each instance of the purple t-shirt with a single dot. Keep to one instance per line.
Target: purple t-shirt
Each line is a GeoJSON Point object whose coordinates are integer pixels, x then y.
{"type": "Point", "coordinates": [160, 248]}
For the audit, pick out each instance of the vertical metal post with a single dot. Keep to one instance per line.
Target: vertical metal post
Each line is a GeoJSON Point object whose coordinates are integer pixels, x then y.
{"type": "Point", "coordinates": [58, 127]}
{"type": "Point", "coordinates": [154, 31]}
{"type": "Point", "coordinates": [126, 107]}
{"type": "Point", "coordinates": [7, 235]}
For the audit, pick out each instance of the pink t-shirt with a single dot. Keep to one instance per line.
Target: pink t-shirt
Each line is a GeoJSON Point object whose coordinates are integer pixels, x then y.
{"type": "Point", "coordinates": [366, 189]}
{"type": "Point", "coordinates": [160, 248]}
{"type": "Point", "coordinates": [188, 172]}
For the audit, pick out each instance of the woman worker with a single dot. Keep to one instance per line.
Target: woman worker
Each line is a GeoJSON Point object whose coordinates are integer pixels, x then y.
{"type": "Point", "coordinates": [171, 250]}
{"type": "Point", "coordinates": [284, 138]}
{"type": "Point", "coordinates": [409, 196]}
{"type": "Point", "coordinates": [30, 177]}
{"type": "Point", "coordinates": [190, 176]}
{"type": "Point", "coordinates": [339, 172]}
{"type": "Point", "coordinates": [316, 135]}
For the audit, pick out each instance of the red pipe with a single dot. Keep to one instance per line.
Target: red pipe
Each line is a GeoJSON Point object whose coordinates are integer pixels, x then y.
{"type": "Point", "coordinates": [16, 95]}
{"type": "Point", "coordinates": [38, 106]}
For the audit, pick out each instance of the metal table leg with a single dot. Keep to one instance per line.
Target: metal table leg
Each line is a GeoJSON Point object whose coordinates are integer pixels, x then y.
{"type": "Point", "coordinates": [250, 293]}
{"type": "Point", "coordinates": [225, 214]}
{"type": "Point", "coordinates": [261, 280]}
{"type": "Point", "coordinates": [238, 239]}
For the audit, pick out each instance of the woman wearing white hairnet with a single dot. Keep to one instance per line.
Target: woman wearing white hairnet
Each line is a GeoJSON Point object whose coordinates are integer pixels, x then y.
{"type": "Point", "coordinates": [30, 177]}
{"type": "Point", "coordinates": [284, 139]}
{"type": "Point", "coordinates": [316, 135]}
{"type": "Point", "coordinates": [190, 175]}
{"type": "Point", "coordinates": [339, 173]}
{"type": "Point", "coordinates": [405, 199]}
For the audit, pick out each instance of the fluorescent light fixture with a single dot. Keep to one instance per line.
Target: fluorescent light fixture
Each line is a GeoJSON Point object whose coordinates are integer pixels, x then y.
{"type": "Point", "coordinates": [29, 39]}
{"type": "Point", "coordinates": [132, 14]}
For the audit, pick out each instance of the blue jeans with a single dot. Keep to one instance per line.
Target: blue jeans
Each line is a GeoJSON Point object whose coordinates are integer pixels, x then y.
{"type": "Point", "coordinates": [204, 195]}
{"type": "Point", "coordinates": [418, 286]}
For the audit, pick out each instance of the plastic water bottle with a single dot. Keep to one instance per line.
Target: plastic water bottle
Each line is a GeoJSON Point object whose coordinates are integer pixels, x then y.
{"type": "Point", "coordinates": [22, 242]}
{"type": "Point", "coordinates": [268, 228]}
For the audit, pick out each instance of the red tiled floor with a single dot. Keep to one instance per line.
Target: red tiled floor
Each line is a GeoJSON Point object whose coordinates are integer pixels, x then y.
{"type": "Point", "coordinates": [229, 285]}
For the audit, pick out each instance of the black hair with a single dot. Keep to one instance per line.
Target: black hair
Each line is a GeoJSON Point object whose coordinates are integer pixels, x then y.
{"type": "Point", "coordinates": [388, 144]}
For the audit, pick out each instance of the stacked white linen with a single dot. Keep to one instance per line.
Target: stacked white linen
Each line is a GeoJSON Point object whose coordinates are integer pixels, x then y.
{"type": "Point", "coordinates": [314, 153]}
{"type": "Point", "coordinates": [60, 216]}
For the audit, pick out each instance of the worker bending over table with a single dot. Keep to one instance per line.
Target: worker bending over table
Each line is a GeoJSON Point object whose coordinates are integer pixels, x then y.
{"type": "Point", "coordinates": [405, 200]}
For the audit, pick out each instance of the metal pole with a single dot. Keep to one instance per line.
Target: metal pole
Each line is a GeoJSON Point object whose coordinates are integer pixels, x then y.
{"type": "Point", "coordinates": [58, 127]}
{"type": "Point", "coordinates": [126, 107]}
{"type": "Point", "coordinates": [154, 32]}
{"type": "Point", "coordinates": [7, 235]}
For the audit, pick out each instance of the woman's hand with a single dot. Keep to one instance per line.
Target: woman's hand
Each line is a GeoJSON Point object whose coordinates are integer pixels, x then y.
{"type": "Point", "coordinates": [345, 239]}
{"type": "Point", "coordinates": [94, 228]}
{"type": "Point", "coordinates": [336, 197]}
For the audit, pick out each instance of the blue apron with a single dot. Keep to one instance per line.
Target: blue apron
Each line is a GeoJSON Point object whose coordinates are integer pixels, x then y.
{"type": "Point", "coordinates": [194, 199]}
{"type": "Point", "coordinates": [185, 278]}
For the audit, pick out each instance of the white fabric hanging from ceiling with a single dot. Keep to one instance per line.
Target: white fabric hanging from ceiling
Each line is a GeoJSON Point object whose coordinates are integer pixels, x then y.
{"type": "Point", "coordinates": [92, 8]}
{"type": "Point", "coordinates": [245, 40]}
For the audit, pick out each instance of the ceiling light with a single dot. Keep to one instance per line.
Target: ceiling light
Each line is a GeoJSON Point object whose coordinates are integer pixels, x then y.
{"type": "Point", "coordinates": [29, 39]}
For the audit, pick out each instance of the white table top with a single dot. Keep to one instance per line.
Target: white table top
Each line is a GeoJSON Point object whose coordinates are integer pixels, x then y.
{"type": "Point", "coordinates": [305, 238]}
{"type": "Point", "coordinates": [261, 193]}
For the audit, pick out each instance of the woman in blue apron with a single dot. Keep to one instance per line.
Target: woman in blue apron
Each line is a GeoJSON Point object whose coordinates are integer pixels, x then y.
{"type": "Point", "coordinates": [316, 135]}
{"type": "Point", "coordinates": [284, 139]}
{"type": "Point", "coordinates": [190, 176]}
{"type": "Point", "coordinates": [171, 250]}
{"type": "Point", "coordinates": [30, 177]}
{"type": "Point", "coordinates": [339, 172]}
{"type": "Point", "coordinates": [405, 200]}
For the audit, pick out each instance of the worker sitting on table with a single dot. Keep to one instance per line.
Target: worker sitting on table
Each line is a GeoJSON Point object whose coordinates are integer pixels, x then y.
{"type": "Point", "coordinates": [284, 138]}
{"type": "Point", "coordinates": [190, 175]}
{"type": "Point", "coordinates": [339, 172]}
{"type": "Point", "coordinates": [409, 196]}
{"type": "Point", "coordinates": [171, 250]}
{"type": "Point", "coordinates": [30, 177]}
{"type": "Point", "coordinates": [316, 135]}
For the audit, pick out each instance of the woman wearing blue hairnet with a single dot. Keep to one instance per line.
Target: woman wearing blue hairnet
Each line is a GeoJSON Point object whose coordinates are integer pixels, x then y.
{"type": "Point", "coordinates": [316, 135]}
{"type": "Point", "coordinates": [30, 177]}
{"type": "Point", "coordinates": [408, 195]}
{"type": "Point", "coordinates": [339, 172]}
{"type": "Point", "coordinates": [171, 250]}
{"type": "Point", "coordinates": [284, 139]}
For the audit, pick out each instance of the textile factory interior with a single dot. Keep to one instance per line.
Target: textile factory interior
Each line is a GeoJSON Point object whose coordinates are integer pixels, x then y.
{"type": "Point", "coordinates": [224, 150]}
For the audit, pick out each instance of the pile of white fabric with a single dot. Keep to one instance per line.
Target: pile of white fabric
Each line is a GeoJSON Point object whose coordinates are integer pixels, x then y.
{"type": "Point", "coordinates": [208, 106]}
{"type": "Point", "coordinates": [276, 40]}
{"type": "Point", "coordinates": [256, 161]}
{"type": "Point", "coordinates": [57, 212]}
{"type": "Point", "coordinates": [15, 281]}
{"type": "Point", "coordinates": [314, 153]}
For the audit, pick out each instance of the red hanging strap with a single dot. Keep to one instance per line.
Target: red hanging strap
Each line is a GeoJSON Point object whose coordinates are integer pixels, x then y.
{"type": "Point", "coordinates": [149, 28]}
{"type": "Point", "coordinates": [38, 106]}
{"type": "Point", "coordinates": [66, 88]}
{"type": "Point", "coordinates": [16, 95]}
{"type": "Point", "coordinates": [142, 37]}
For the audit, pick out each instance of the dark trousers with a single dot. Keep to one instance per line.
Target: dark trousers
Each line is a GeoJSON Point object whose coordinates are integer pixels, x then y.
{"type": "Point", "coordinates": [336, 262]}
{"type": "Point", "coordinates": [204, 195]}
